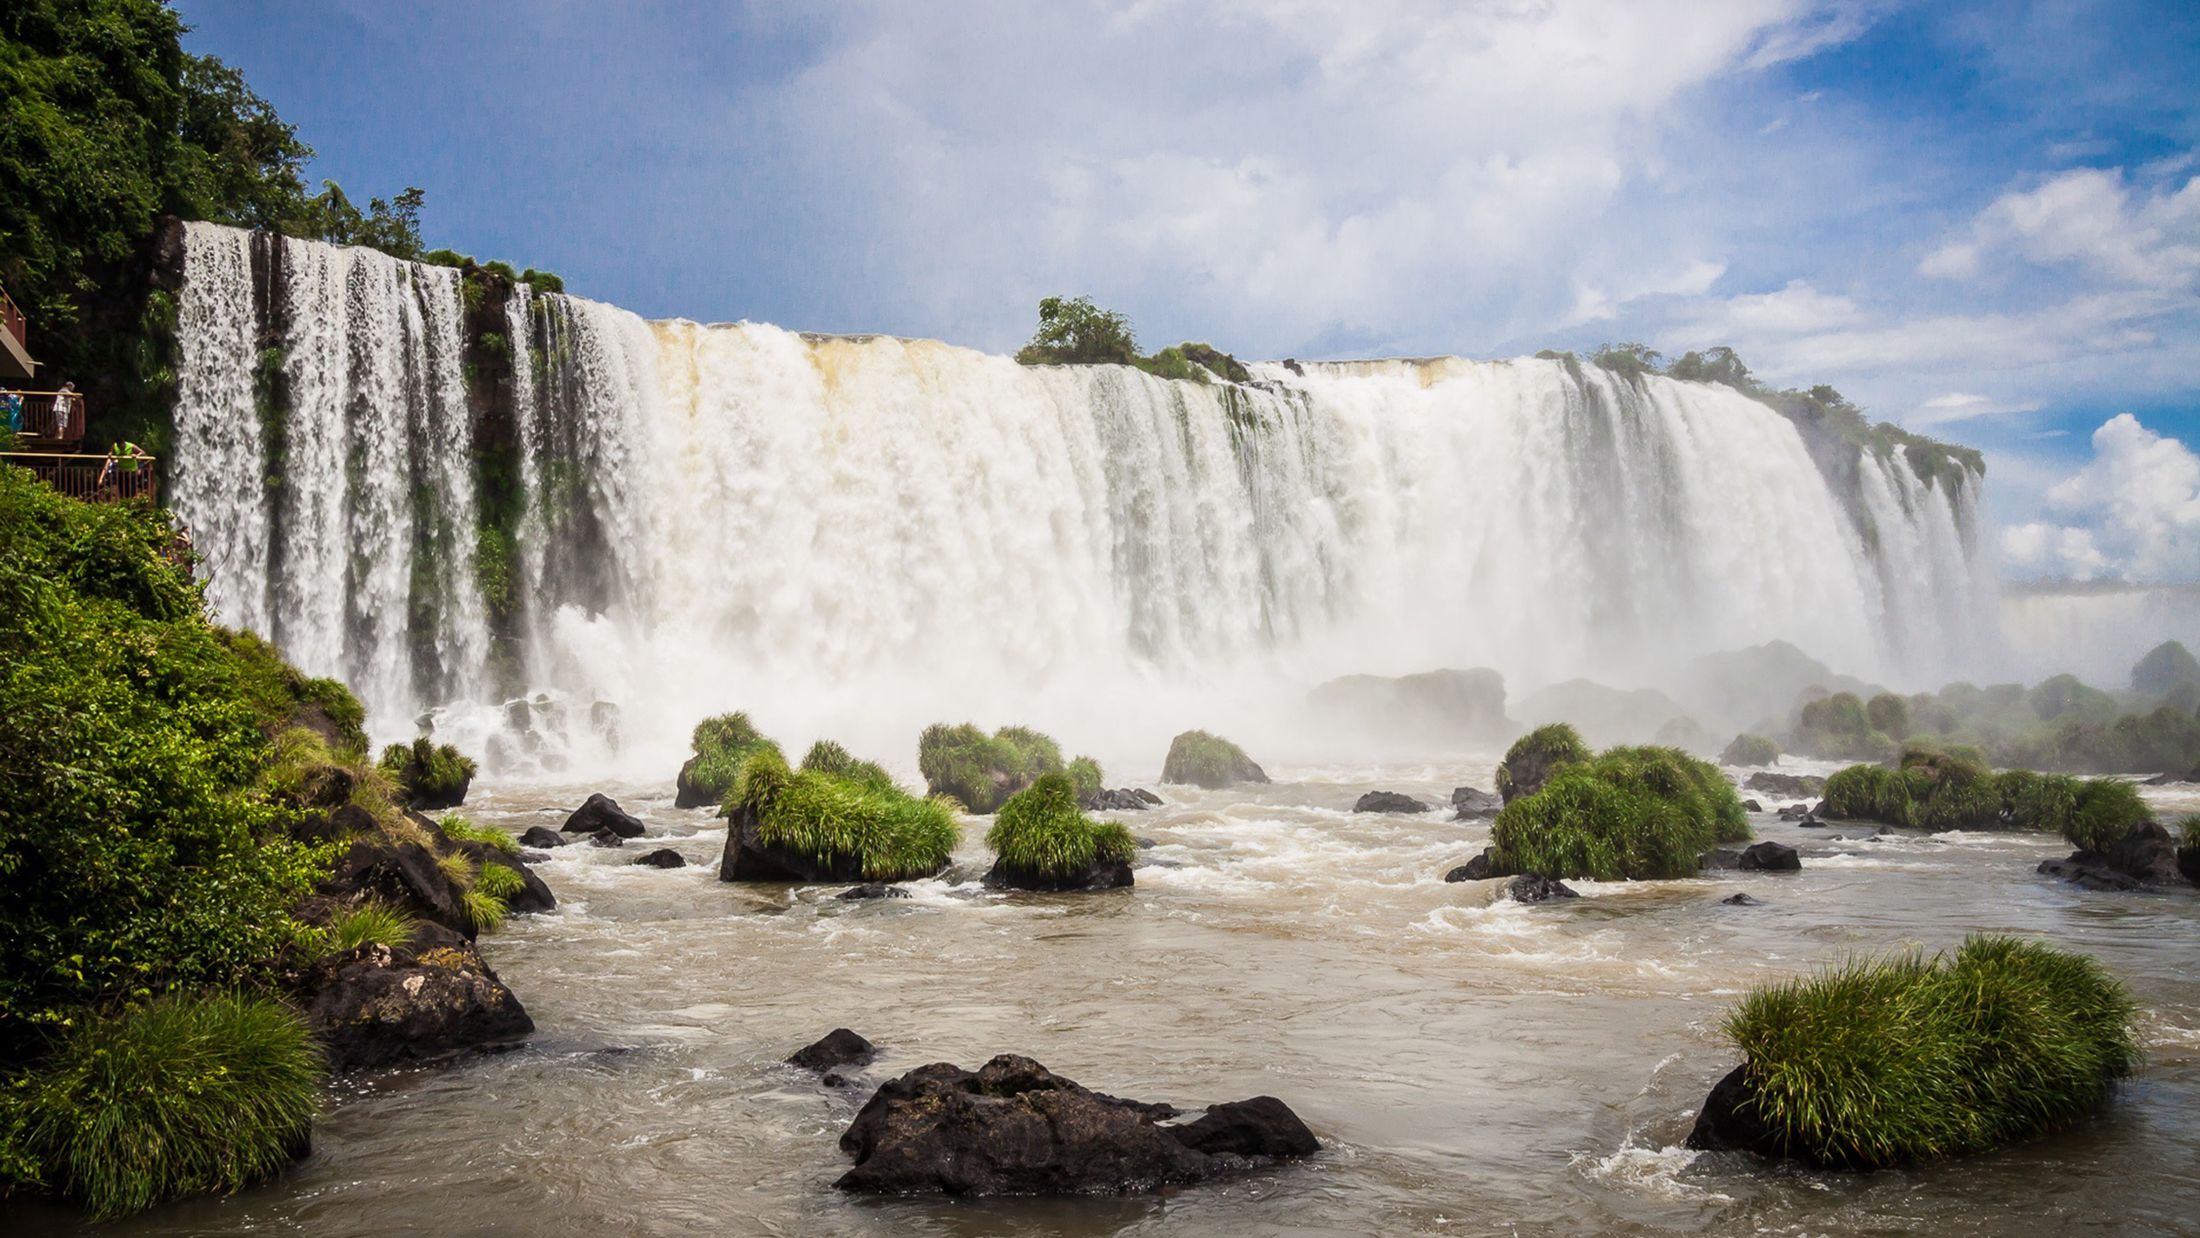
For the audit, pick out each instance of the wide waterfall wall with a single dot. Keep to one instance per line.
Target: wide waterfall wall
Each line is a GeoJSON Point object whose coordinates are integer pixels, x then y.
{"type": "Point", "coordinates": [859, 535]}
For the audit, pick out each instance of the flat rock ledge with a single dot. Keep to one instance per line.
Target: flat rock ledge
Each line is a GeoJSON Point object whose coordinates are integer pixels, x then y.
{"type": "Point", "coordinates": [1013, 1127]}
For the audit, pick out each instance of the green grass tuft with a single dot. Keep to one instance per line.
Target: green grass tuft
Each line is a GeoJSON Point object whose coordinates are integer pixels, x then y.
{"type": "Point", "coordinates": [980, 771]}
{"type": "Point", "coordinates": [1084, 774]}
{"type": "Point", "coordinates": [464, 830]}
{"type": "Point", "coordinates": [180, 1097]}
{"type": "Point", "coordinates": [1039, 831]}
{"type": "Point", "coordinates": [500, 882]}
{"type": "Point", "coordinates": [1900, 1060]}
{"type": "Point", "coordinates": [1203, 759]}
{"type": "Point", "coordinates": [1636, 814]}
{"type": "Point", "coordinates": [721, 744]}
{"type": "Point", "coordinates": [459, 867]}
{"type": "Point", "coordinates": [2106, 811]}
{"type": "Point", "coordinates": [2188, 831]}
{"type": "Point", "coordinates": [374, 923]}
{"type": "Point", "coordinates": [485, 911]}
{"type": "Point", "coordinates": [828, 818]}
{"type": "Point", "coordinates": [827, 757]}
{"type": "Point", "coordinates": [425, 772]}
{"type": "Point", "coordinates": [1536, 754]}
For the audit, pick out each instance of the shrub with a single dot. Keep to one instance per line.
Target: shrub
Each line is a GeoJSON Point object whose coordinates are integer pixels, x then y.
{"type": "Point", "coordinates": [463, 830]}
{"type": "Point", "coordinates": [1632, 813]}
{"type": "Point", "coordinates": [427, 774]}
{"type": "Point", "coordinates": [981, 771]}
{"type": "Point", "coordinates": [1868, 793]}
{"type": "Point", "coordinates": [1888, 714]}
{"type": "Point", "coordinates": [721, 744]}
{"type": "Point", "coordinates": [377, 923]}
{"type": "Point", "coordinates": [1074, 331]}
{"type": "Point", "coordinates": [2106, 810]}
{"type": "Point", "coordinates": [1206, 760]}
{"type": "Point", "coordinates": [1900, 1059]}
{"type": "Point", "coordinates": [829, 819]}
{"type": "Point", "coordinates": [1039, 832]}
{"type": "Point", "coordinates": [2032, 801]}
{"type": "Point", "coordinates": [1535, 756]}
{"type": "Point", "coordinates": [1750, 750]}
{"type": "Point", "coordinates": [182, 1096]}
{"type": "Point", "coordinates": [827, 757]}
{"type": "Point", "coordinates": [1084, 774]}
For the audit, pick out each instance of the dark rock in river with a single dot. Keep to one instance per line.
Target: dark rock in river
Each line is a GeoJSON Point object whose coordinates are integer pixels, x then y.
{"type": "Point", "coordinates": [1389, 802]}
{"type": "Point", "coordinates": [1769, 857]}
{"type": "Point", "coordinates": [1016, 1128]}
{"type": "Point", "coordinates": [533, 895]}
{"type": "Point", "coordinates": [747, 858]}
{"type": "Point", "coordinates": [686, 794]}
{"type": "Point", "coordinates": [839, 1047]}
{"type": "Point", "coordinates": [542, 836]}
{"type": "Point", "coordinates": [404, 875]}
{"type": "Point", "coordinates": [601, 812]}
{"type": "Point", "coordinates": [2145, 857]}
{"type": "Point", "coordinates": [1470, 803]}
{"type": "Point", "coordinates": [1787, 785]}
{"type": "Point", "coordinates": [1480, 868]}
{"type": "Point", "coordinates": [1740, 900]}
{"type": "Point", "coordinates": [1126, 799]}
{"type": "Point", "coordinates": [1098, 876]}
{"type": "Point", "coordinates": [1752, 806]}
{"type": "Point", "coordinates": [662, 857]}
{"type": "Point", "coordinates": [871, 890]}
{"type": "Point", "coordinates": [1728, 1121]}
{"type": "Point", "coordinates": [377, 1007]}
{"type": "Point", "coordinates": [606, 838]}
{"type": "Point", "coordinates": [1529, 888]}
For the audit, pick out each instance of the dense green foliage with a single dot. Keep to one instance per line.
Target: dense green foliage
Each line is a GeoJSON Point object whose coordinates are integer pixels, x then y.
{"type": "Point", "coordinates": [721, 744]}
{"type": "Point", "coordinates": [460, 829]}
{"type": "Point", "coordinates": [831, 818]}
{"type": "Point", "coordinates": [1203, 759]}
{"type": "Point", "coordinates": [1637, 813]}
{"type": "Point", "coordinates": [426, 772]}
{"type": "Point", "coordinates": [1074, 331]}
{"type": "Point", "coordinates": [1040, 831]}
{"type": "Point", "coordinates": [106, 124]}
{"type": "Point", "coordinates": [979, 771]}
{"type": "Point", "coordinates": [1543, 749]}
{"type": "Point", "coordinates": [827, 757]}
{"type": "Point", "coordinates": [1750, 750]}
{"type": "Point", "coordinates": [182, 1096]}
{"type": "Point", "coordinates": [1901, 1060]}
{"type": "Point", "coordinates": [1952, 789]}
{"type": "Point", "coordinates": [138, 851]}
{"type": "Point", "coordinates": [1085, 775]}
{"type": "Point", "coordinates": [2059, 724]}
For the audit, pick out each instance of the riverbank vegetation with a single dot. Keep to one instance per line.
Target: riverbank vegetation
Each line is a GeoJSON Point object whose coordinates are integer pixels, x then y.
{"type": "Point", "coordinates": [1905, 1059]}
{"type": "Point", "coordinates": [1952, 789]}
{"type": "Point", "coordinates": [1074, 331]}
{"type": "Point", "coordinates": [1629, 813]}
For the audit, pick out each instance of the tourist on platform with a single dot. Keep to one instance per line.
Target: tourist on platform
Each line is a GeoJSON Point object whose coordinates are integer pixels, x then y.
{"type": "Point", "coordinates": [64, 404]}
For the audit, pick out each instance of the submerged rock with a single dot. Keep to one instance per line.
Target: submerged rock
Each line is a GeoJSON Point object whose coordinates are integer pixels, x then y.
{"type": "Point", "coordinates": [1101, 874]}
{"type": "Point", "coordinates": [1769, 857]}
{"type": "Point", "coordinates": [1125, 799]}
{"type": "Point", "coordinates": [870, 890]}
{"type": "Point", "coordinates": [542, 837]}
{"type": "Point", "coordinates": [1740, 900]}
{"type": "Point", "coordinates": [1471, 803]}
{"type": "Point", "coordinates": [1480, 868]}
{"type": "Point", "coordinates": [1013, 1127]}
{"type": "Point", "coordinates": [1389, 802]}
{"type": "Point", "coordinates": [1728, 1121]}
{"type": "Point", "coordinates": [837, 1048]}
{"type": "Point", "coordinates": [662, 857]}
{"type": "Point", "coordinates": [606, 838]}
{"type": "Point", "coordinates": [601, 812]}
{"type": "Point", "coordinates": [1529, 888]}
{"type": "Point", "coordinates": [2144, 857]}
{"type": "Point", "coordinates": [378, 1006]}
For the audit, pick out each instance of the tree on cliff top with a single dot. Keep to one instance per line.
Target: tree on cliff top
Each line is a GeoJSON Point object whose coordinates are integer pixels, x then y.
{"type": "Point", "coordinates": [1074, 331]}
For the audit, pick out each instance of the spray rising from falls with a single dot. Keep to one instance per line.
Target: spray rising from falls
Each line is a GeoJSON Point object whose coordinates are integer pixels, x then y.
{"type": "Point", "coordinates": [595, 523]}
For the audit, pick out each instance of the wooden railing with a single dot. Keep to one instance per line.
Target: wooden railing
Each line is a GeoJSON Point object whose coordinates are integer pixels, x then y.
{"type": "Point", "coordinates": [11, 320]}
{"type": "Point", "coordinates": [44, 417]}
{"type": "Point", "coordinates": [94, 479]}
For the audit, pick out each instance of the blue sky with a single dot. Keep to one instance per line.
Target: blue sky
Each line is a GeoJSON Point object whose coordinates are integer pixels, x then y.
{"type": "Point", "coordinates": [1979, 220]}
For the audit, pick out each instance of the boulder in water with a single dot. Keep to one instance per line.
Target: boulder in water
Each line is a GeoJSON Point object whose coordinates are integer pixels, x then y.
{"type": "Point", "coordinates": [606, 838]}
{"type": "Point", "coordinates": [662, 857]}
{"type": "Point", "coordinates": [870, 890]}
{"type": "Point", "coordinates": [1210, 761]}
{"type": "Point", "coordinates": [601, 812]}
{"type": "Point", "coordinates": [1126, 799]}
{"type": "Point", "coordinates": [405, 875]}
{"type": "Point", "coordinates": [1529, 888]}
{"type": "Point", "coordinates": [1752, 806]}
{"type": "Point", "coordinates": [1740, 900]}
{"type": "Point", "coordinates": [1389, 802]}
{"type": "Point", "coordinates": [1013, 1127]}
{"type": "Point", "coordinates": [837, 1048]}
{"type": "Point", "coordinates": [1471, 804]}
{"type": "Point", "coordinates": [543, 838]}
{"type": "Point", "coordinates": [1786, 785]}
{"type": "Point", "coordinates": [377, 1006]}
{"type": "Point", "coordinates": [2143, 857]}
{"type": "Point", "coordinates": [1769, 857]}
{"type": "Point", "coordinates": [1480, 868]}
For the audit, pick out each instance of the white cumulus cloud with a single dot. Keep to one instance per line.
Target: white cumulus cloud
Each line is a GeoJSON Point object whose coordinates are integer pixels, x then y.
{"type": "Point", "coordinates": [2133, 511]}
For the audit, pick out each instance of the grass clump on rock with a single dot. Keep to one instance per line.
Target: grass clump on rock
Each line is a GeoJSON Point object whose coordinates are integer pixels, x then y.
{"type": "Point", "coordinates": [1903, 1059]}
{"type": "Point", "coordinates": [182, 1096]}
{"type": "Point", "coordinates": [827, 757]}
{"type": "Point", "coordinates": [461, 829]}
{"type": "Point", "coordinates": [1636, 814]}
{"type": "Point", "coordinates": [1535, 756]}
{"type": "Point", "coordinates": [428, 775]}
{"type": "Point", "coordinates": [1043, 842]}
{"type": "Point", "coordinates": [1750, 750]}
{"type": "Point", "coordinates": [812, 825]}
{"type": "Point", "coordinates": [373, 923]}
{"type": "Point", "coordinates": [1952, 789]}
{"type": "Point", "coordinates": [1207, 760]}
{"type": "Point", "coordinates": [981, 771]}
{"type": "Point", "coordinates": [721, 745]}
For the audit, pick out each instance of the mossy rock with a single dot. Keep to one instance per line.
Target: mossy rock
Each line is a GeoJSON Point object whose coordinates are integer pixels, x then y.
{"type": "Point", "coordinates": [428, 776]}
{"type": "Point", "coordinates": [720, 745]}
{"type": "Point", "coordinates": [1534, 757]}
{"type": "Point", "coordinates": [1904, 1060]}
{"type": "Point", "coordinates": [981, 771]}
{"type": "Point", "coordinates": [1207, 760]}
{"type": "Point", "coordinates": [810, 825]}
{"type": "Point", "coordinates": [1634, 814]}
{"type": "Point", "coordinates": [1750, 750]}
{"type": "Point", "coordinates": [1043, 842]}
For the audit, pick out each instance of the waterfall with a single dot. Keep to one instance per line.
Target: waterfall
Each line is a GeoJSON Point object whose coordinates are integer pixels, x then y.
{"type": "Point", "coordinates": [851, 532]}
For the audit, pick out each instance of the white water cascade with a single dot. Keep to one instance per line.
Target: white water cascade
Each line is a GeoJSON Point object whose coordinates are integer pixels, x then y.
{"type": "Point", "coordinates": [859, 535]}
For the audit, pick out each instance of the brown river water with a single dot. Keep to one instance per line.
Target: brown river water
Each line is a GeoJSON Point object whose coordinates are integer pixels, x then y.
{"type": "Point", "coordinates": [1471, 1067]}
